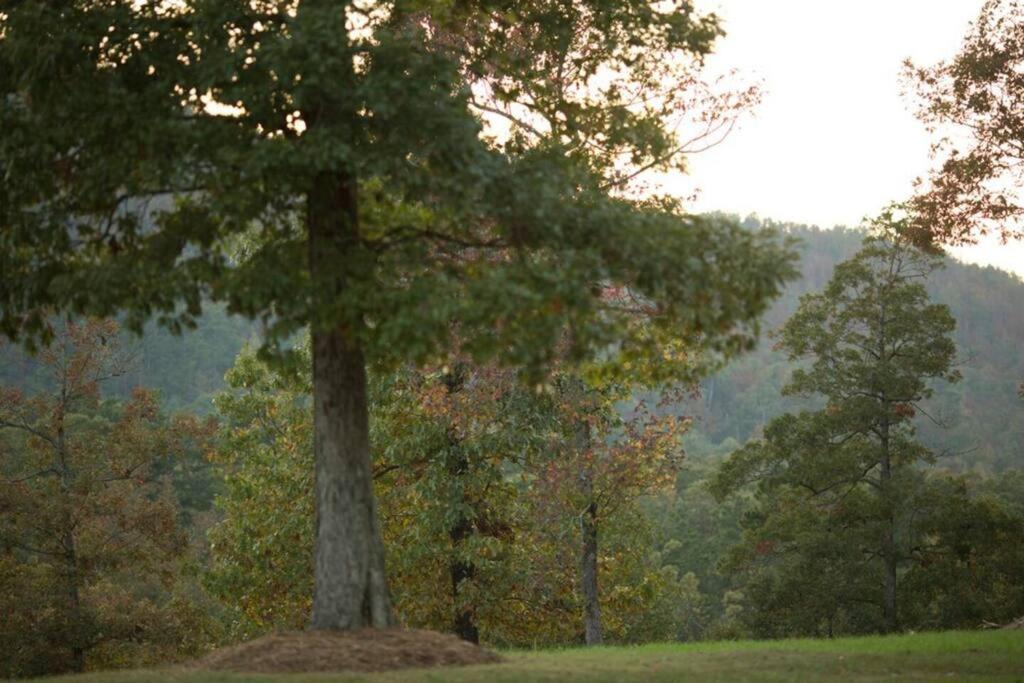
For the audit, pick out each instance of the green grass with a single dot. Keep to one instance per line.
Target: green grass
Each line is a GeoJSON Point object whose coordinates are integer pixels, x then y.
{"type": "Point", "coordinates": [950, 656]}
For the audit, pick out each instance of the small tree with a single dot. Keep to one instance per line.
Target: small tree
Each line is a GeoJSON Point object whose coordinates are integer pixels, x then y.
{"type": "Point", "coordinates": [89, 537]}
{"type": "Point", "coordinates": [873, 342]}
{"type": "Point", "coordinates": [477, 429]}
{"type": "Point", "coordinates": [603, 464]}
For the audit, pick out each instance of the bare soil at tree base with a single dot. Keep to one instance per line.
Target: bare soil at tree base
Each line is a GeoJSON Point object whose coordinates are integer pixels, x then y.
{"type": "Point", "coordinates": [364, 651]}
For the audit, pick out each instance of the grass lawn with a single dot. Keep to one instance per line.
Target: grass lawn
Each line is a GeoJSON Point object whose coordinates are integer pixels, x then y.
{"type": "Point", "coordinates": [951, 656]}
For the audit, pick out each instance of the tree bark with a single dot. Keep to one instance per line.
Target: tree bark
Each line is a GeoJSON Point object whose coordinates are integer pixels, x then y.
{"type": "Point", "coordinates": [591, 603]}
{"type": "Point", "coordinates": [460, 529]}
{"type": "Point", "coordinates": [350, 585]}
{"type": "Point", "coordinates": [889, 555]}
{"type": "Point", "coordinates": [592, 629]}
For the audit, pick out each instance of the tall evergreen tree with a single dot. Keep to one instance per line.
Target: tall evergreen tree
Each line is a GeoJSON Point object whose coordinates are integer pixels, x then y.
{"type": "Point", "coordinates": [873, 343]}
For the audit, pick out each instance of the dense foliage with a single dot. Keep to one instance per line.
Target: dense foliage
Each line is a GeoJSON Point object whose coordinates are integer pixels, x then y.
{"type": "Point", "coordinates": [478, 483]}
{"type": "Point", "coordinates": [91, 547]}
{"type": "Point", "coordinates": [973, 106]}
{"type": "Point", "coordinates": [845, 514]}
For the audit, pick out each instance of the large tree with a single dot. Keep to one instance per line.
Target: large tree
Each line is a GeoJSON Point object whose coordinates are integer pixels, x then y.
{"type": "Point", "coordinates": [873, 344]}
{"type": "Point", "coordinates": [142, 139]}
{"type": "Point", "coordinates": [974, 105]}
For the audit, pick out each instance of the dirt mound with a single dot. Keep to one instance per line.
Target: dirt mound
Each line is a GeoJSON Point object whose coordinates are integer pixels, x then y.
{"type": "Point", "coordinates": [365, 650]}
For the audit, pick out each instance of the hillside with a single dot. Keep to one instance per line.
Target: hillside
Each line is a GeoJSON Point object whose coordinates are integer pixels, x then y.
{"type": "Point", "coordinates": [186, 370]}
{"type": "Point", "coordinates": [983, 413]}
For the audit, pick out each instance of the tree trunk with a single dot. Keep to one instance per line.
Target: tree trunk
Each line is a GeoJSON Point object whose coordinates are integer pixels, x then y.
{"type": "Point", "coordinates": [462, 571]}
{"type": "Point", "coordinates": [461, 528]}
{"type": "Point", "coordinates": [74, 598]}
{"type": "Point", "coordinates": [350, 585]}
{"type": "Point", "coordinates": [68, 542]}
{"type": "Point", "coordinates": [464, 625]}
{"type": "Point", "coordinates": [588, 532]}
{"type": "Point", "coordinates": [891, 621]}
{"type": "Point", "coordinates": [889, 554]}
{"type": "Point", "coordinates": [890, 557]}
{"type": "Point", "coordinates": [591, 603]}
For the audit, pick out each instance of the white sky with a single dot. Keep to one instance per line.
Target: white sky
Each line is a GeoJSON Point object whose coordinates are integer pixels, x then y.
{"type": "Point", "coordinates": [833, 140]}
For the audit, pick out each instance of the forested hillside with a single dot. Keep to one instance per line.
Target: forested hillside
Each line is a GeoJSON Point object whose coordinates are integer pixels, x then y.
{"type": "Point", "coordinates": [983, 413]}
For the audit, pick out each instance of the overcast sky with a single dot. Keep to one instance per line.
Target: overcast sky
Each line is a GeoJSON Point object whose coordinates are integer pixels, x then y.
{"type": "Point", "coordinates": [833, 140]}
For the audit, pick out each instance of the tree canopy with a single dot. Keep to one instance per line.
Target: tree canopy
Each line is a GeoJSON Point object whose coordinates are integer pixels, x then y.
{"type": "Point", "coordinates": [841, 491]}
{"type": "Point", "coordinates": [973, 105]}
{"type": "Point", "coordinates": [142, 141]}
{"type": "Point", "coordinates": [219, 113]}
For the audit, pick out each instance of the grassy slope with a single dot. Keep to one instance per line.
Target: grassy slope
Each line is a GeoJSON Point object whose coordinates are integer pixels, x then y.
{"type": "Point", "coordinates": [953, 656]}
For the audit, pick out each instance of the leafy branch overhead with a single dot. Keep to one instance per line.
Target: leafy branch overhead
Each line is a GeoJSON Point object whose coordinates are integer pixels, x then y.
{"type": "Point", "coordinates": [218, 134]}
{"type": "Point", "coordinates": [974, 106]}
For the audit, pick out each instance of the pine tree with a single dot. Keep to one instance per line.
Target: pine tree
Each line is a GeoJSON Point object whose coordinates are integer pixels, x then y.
{"type": "Point", "coordinates": [873, 343]}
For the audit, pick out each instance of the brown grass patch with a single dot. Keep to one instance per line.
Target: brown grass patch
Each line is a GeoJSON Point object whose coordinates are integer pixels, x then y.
{"type": "Point", "coordinates": [365, 650]}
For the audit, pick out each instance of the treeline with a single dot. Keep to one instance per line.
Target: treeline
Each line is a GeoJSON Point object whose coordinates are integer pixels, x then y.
{"type": "Point", "coordinates": [519, 514]}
